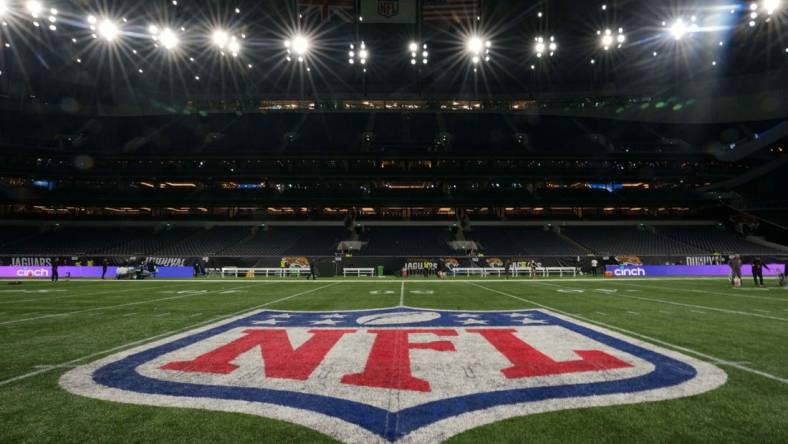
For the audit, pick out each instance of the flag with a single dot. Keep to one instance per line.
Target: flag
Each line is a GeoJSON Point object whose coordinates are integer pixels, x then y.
{"type": "Point", "coordinates": [389, 11]}
{"type": "Point", "coordinates": [327, 10]}
{"type": "Point", "coordinates": [436, 11]}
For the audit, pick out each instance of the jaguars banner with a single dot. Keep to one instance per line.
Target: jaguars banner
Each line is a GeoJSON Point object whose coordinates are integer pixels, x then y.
{"type": "Point", "coordinates": [399, 374]}
{"type": "Point", "coordinates": [389, 11]}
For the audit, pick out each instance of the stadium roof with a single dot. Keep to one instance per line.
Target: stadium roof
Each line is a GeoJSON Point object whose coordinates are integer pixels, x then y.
{"type": "Point", "coordinates": [235, 49]}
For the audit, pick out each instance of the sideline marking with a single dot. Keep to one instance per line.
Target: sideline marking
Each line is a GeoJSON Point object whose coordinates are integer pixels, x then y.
{"type": "Point", "coordinates": [74, 294]}
{"type": "Point", "coordinates": [159, 336]}
{"type": "Point", "coordinates": [715, 293]}
{"type": "Point", "coordinates": [704, 307]}
{"type": "Point", "coordinates": [709, 358]}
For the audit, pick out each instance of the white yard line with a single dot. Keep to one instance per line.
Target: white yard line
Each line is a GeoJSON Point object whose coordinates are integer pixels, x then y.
{"type": "Point", "coordinates": [402, 294]}
{"type": "Point", "coordinates": [680, 304]}
{"type": "Point", "coordinates": [708, 357]}
{"type": "Point", "coordinates": [159, 336]}
{"type": "Point", "coordinates": [109, 307]}
{"type": "Point", "coordinates": [128, 314]}
{"type": "Point", "coordinates": [161, 315]}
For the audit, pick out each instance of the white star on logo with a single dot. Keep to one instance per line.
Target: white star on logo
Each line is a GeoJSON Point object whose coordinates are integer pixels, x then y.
{"type": "Point", "coordinates": [520, 315]}
{"type": "Point", "coordinates": [333, 316]}
{"type": "Point", "coordinates": [282, 316]}
{"type": "Point", "coordinates": [473, 322]}
{"type": "Point", "coordinates": [466, 315]}
{"type": "Point", "coordinates": [271, 321]}
{"type": "Point", "coordinates": [326, 322]}
{"type": "Point", "coordinates": [533, 322]}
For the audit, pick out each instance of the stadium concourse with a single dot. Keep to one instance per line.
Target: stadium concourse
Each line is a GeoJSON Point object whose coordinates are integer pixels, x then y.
{"type": "Point", "coordinates": [393, 221]}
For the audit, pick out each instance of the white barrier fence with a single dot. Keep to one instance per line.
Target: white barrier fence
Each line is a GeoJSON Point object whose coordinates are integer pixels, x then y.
{"type": "Point", "coordinates": [267, 272]}
{"type": "Point", "coordinates": [358, 272]}
{"type": "Point", "coordinates": [370, 272]}
{"type": "Point", "coordinates": [495, 271]}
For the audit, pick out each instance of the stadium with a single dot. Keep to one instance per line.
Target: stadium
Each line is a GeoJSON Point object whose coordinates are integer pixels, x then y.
{"type": "Point", "coordinates": [415, 221]}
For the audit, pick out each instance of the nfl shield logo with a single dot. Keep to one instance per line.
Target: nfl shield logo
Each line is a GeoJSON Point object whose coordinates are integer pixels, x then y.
{"type": "Point", "coordinates": [388, 8]}
{"type": "Point", "coordinates": [398, 374]}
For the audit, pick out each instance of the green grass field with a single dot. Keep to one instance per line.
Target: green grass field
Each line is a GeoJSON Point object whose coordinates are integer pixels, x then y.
{"type": "Point", "coordinates": [46, 329]}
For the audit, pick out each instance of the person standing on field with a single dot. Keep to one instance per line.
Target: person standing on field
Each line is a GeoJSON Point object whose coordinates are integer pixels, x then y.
{"type": "Point", "coordinates": [312, 267]}
{"type": "Point", "coordinates": [104, 265]}
{"type": "Point", "coordinates": [55, 265]}
{"type": "Point", "coordinates": [735, 265]}
{"type": "Point", "coordinates": [594, 265]}
{"type": "Point", "coordinates": [757, 271]}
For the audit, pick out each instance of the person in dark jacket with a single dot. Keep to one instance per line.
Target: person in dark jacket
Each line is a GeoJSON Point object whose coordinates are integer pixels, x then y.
{"type": "Point", "coordinates": [312, 270]}
{"type": "Point", "coordinates": [104, 265]}
{"type": "Point", "coordinates": [55, 265]}
{"type": "Point", "coordinates": [757, 271]}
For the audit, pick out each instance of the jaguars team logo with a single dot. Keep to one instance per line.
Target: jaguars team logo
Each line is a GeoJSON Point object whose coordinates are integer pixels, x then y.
{"type": "Point", "coordinates": [399, 374]}
{"type": "Point", "coordinates": [388, 8]}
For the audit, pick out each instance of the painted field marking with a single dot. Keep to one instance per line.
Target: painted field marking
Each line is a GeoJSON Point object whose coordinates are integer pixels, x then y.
{"type": "Point", "coordinates": [402, 294]}
{"type": "Point", "coordinates": [634, 313]}
{"type": "Point", "coordinates": [194, 315]}
{"type": "Point", "coordinates": [106, 307]}
{"type": "Point", "coordinates": [762, 311]}
{"type": "Point", "coordinates": [128, 314]}
{"type": "Point", "coordinates": [716, 293]}
{"type": "Point", "coordinates": [704, 307]}
{"type": "Point", "coordinates": [161, 315]}
{"type": "Point", "coordinates": [708, 357]}
{"type": "Point", "coordinates": [159, 336]}
{"type": "Point", "coordinates": [75, 294]}
{"type": "Point", "coordinates": [697, 311]}
{"type": "Point", "coordinates": [601, 313]}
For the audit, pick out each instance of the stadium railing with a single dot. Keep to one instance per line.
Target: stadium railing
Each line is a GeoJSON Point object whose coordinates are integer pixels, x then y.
{"type": "Point", "coordinates": [358, 272]}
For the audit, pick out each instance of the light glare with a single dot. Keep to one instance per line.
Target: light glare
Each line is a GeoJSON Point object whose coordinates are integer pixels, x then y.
{"type": "Point", "coordinates": [168, 38]}
{"type": "Point", "coordinates": [108, 30]}
{"type": "Point", "coordinates": [34, 7]}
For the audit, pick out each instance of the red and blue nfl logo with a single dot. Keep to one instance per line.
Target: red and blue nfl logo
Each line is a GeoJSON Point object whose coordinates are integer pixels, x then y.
{"type": "Point", "coordinates": [398, 374]}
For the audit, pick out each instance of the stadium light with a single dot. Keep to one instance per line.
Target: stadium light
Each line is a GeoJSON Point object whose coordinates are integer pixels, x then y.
{"type": "Point", "coordinates": [478, 48]}
{"type": "Point", "coordinates": [3, 8]}
{"type": "Point", "coordinates": [681, 29]}
{"type": "Point", "coordinates": [34, 7]}
{"type": "Point", "coordinates": [360, 55]}
{"type": "Point", "coordinates": [609, 39]}
{"type": "Point", "coordinates": [540, 46]}
{"type": "Point", "coordinates": [771, 6]}
{"type": "Point", "coordinates": [678, 29]}
{"type": "Point", "coordinates": [418, 52]}
{"type": "Point", "coordinates": [108, 30]}
{"type": "Point", "coordinates": [220, 38]}
{"type": "Point", "coordinates": [298, 46]}
{"type": "Point", "coordinates": [223, 40]}
{"type": "Point", "coordinates": [164, 36]}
